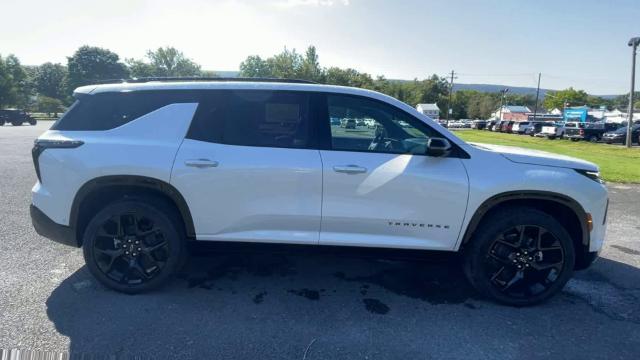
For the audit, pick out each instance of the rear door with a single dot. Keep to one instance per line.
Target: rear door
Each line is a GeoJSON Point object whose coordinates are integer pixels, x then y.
{"type": "Point", "coordinates": [248, 169]}
{"type": "Point", "coordinates": [379, 188]}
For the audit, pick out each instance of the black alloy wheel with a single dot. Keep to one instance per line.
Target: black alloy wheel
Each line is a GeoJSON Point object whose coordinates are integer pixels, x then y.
{"type": "Point", "coordinates": [133, 246]}
{"type": "Point", "coordinates": [519, 256]}
{"type": "Point", "coordinates": [524, 261]}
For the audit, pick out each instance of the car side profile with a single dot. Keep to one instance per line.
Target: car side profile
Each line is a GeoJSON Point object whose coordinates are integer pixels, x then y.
{"type": "Point", "coordinates": [135, 170]}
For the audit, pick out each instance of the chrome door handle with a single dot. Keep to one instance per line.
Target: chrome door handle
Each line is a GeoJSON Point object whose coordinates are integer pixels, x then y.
{"type": "Point", "coordinates": [201, 163]}
{"type": "Point", "coordinates": [350, 169]}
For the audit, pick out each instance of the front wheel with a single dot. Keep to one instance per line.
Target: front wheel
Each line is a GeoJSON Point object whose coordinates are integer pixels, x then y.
{"type": "Point", "coordinates": [134, 245]}
{"type": "Point", "coordinates": [519, 256]}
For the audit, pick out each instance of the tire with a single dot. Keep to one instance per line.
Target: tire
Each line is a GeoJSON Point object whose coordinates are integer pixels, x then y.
{"type": "Point", "coordinates": [32, 122]}
{"type": "Point", "coordinates": [593, 139]}
{"type": "Point", "coordinates": [511, 274]}
{"type": "Point", "coordinates": [134, 257]}
{"type": "Point", "coordinates": [16, 123]}
{"type": "Point", "coordinates": [572, 139]}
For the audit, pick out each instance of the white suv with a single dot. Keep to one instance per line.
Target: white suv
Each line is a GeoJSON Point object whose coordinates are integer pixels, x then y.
{"type": "Point", "coordinates": [135, 170]}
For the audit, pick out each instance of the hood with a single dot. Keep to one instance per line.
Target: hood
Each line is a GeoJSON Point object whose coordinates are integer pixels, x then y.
{"type": "Point", "coordinates": [537, 157]}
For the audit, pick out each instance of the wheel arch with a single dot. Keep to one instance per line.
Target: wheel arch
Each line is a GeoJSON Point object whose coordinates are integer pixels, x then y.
{"type": "Point", "coordinates": [567, 210]}
{"type": "Point", "coordinates": [98, 191]}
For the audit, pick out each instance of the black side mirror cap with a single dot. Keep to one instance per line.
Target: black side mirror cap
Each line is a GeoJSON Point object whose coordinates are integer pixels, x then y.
{"type": "Point", "coordinates": [438, 147]}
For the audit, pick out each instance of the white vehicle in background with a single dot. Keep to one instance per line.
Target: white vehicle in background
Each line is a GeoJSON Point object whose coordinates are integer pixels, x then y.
{"type": "Point", "coordinates": [136, 170]}
{"type": "Point", "coordinates": [552, 131]}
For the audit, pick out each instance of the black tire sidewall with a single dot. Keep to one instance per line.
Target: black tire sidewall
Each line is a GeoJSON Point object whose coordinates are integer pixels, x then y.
{"type": "Point", "coordinates": [476, 252]}
{"type": "Point", "coordinates": [160, 213]}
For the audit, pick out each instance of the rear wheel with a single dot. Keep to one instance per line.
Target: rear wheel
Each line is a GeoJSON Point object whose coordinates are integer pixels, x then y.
{"type": "Point", "coordinates": [134, 245]}
{"type": "Point", "coordinates": [593, 139]}
{"type": "Point", "coordinates": [520, 256]}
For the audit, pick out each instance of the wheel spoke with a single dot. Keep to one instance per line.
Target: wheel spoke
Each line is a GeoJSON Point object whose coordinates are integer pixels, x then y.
{"type": "Point", "coordinates": [136, 266]}
{"type": "Point", "coordinates": [500, 259]}
{"type": "Point", "coordinates": [543, 266]}
{"type": "Point", "coordinates": [152, 248]}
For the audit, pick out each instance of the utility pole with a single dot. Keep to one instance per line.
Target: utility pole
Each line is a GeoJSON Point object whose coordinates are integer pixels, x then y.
{"type": "Point", "coordinates": [503, 91]}
{"type": "Point", "coordinates": [450, 92]}
{"type": "Point", "coordinates": [535, 111]}
{"type": "Point", "coordinates": [634, 42]}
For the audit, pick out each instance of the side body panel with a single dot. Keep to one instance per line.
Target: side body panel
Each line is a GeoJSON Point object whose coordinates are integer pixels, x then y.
{"type": "Point", "coordinates": [400, 201]}
{"type": "Point", "coordinates": [146, 147]}
{"type": "Point", "coordinates": [491, 174]}
{"type": "Point", "coordinates": [252, 193]}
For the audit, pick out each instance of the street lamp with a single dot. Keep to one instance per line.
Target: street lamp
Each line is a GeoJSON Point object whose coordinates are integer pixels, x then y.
{"type": "Point", "coordinates": [634, 42]}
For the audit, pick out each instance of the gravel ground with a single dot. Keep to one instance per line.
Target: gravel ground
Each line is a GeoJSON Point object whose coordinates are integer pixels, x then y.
{"type": "Point", "coordinates": [283, 304]}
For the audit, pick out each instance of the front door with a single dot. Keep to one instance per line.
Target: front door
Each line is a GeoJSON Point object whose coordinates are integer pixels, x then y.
{"type": "Point", "coordinates": [379, 189]}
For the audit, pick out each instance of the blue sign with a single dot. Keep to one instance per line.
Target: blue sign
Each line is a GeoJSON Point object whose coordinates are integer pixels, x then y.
{"type": "Point", "coordinates": [575, 114]}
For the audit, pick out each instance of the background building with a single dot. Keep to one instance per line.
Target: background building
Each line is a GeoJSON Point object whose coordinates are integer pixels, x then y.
{"type": "Point", "coordinates": [513, 112]}
{"type": "Point", "coordinates": [431, 110]}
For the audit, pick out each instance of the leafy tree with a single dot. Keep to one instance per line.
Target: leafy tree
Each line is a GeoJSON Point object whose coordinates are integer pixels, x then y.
{"type": "Point", "coordinates": [254, 66]}
{"type": "Point", "coordinates": [310, 68]}
{"type": "Point", "coordinates": [15, 85]}
{"type": "Point", "coordinates": [49, 105]}
{"type": "Point", "coordinates": [168, 61]}
{"type": "Point", "coordinates": [50, 80]}
{"type": "Point", "coordinates": [557, 99]}
{"type": "Point", "coordinates": [348, 77]}
{"type": "Point", "coordinates": [286, 65]}
{"type": "Point", "coordinates": [139, 68]}
{"type": "Point", "coordinates": [92, 64]}
{"type": "Point", "coordinates": [164, 62]}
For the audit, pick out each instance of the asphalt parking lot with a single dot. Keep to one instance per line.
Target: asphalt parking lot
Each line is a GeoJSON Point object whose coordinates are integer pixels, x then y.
{"type": "Point", "coordinates": [292, 304]}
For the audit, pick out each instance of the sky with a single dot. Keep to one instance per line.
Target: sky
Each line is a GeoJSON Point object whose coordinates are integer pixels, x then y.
{"type": "Point", "coordinates": [579, 43]}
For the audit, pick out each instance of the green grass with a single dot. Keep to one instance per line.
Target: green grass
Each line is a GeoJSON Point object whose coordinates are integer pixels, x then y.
{"type": "Point", "coordinates": [616, 162]}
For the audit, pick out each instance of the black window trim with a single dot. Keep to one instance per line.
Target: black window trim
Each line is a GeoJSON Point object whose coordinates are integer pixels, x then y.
{"type": "Point", "coordinates": [324, 126]}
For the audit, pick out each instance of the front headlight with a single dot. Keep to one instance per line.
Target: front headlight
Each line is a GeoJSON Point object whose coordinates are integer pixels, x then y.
{"type": "Point", "coordinates": [593, 175]}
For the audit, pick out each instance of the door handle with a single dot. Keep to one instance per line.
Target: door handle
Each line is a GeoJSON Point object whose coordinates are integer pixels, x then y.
{"type": "Point", "coordinates": [350, 169]}
{"type": "Point", "coordinates": [201, 163]}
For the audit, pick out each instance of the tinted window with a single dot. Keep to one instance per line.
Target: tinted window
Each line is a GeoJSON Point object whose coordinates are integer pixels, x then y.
{"type": "Point", "coordinates": [106, 111]}
{"type": "Point", "coordinates": [253, 118]}
{"type": "Point", "coordinates": [359, 124]}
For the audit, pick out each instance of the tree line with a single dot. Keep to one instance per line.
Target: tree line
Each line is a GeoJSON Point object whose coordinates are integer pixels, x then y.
{"type": "Point", "coordinates": [48, 87]}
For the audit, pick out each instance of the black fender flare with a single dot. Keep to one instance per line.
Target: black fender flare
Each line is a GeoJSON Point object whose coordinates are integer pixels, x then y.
{"type": "Point", "coordinates": [495, 200]}
{"type": "Point", "coordinates": [132, 181]}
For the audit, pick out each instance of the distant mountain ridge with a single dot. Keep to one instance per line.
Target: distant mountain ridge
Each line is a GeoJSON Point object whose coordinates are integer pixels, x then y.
{"type": "Point", "coordinates": [490, 88]}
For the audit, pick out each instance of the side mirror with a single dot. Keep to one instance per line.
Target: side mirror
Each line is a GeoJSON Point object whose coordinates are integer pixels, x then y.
{"type": "Point", "coordinates": [438, 147]}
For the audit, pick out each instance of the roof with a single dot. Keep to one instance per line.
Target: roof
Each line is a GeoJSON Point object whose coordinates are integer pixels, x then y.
{"type": "Point", "coordinates": [220, 85]}
{"type": "Point", "coordinates": [517, 109]}
{"type": "Point", "coordinates": [433, 106]}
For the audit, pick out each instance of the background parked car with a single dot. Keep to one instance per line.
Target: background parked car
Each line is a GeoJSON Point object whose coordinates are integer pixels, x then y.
{"type": "Point", "coordinates": [592, 132]}
{"type": "Point", "coordinates": [479, 124]}
{"type": "Point", "coordinates": [506, 126]}
{"type": "Point", "coordinates": [535, 127]}
{"type": "Point", "coordinates": [16, 117]}
{"type": "Point", "coordinates": [620, 135]}
{"type": "Point", "coordinates": [552, 131]}
{"type": "Point", "coordinates": [490, 124]}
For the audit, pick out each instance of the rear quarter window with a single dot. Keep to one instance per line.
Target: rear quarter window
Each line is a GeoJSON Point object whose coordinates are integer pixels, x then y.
{"type": "Point", "coordinates": [107, 111]}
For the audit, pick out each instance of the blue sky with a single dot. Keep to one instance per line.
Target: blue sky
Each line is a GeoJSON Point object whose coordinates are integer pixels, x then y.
{"type": "Point", "coordinates": [572, 43]}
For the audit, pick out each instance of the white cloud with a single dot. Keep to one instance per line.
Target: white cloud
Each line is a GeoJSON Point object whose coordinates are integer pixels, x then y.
{"type": "Point", "coordinates": [296, 3]}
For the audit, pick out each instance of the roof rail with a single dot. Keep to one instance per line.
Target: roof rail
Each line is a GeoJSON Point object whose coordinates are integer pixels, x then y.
{"type": "Point", "coordinates": [197, 78]}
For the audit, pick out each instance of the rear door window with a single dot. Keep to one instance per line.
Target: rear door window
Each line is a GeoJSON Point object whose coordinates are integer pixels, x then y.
{"type": "Point", "coordinates": [254, 118]}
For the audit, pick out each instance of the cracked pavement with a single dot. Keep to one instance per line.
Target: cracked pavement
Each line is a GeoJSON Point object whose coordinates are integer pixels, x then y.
{"type": "Point", "coordinates": [281, 303]}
